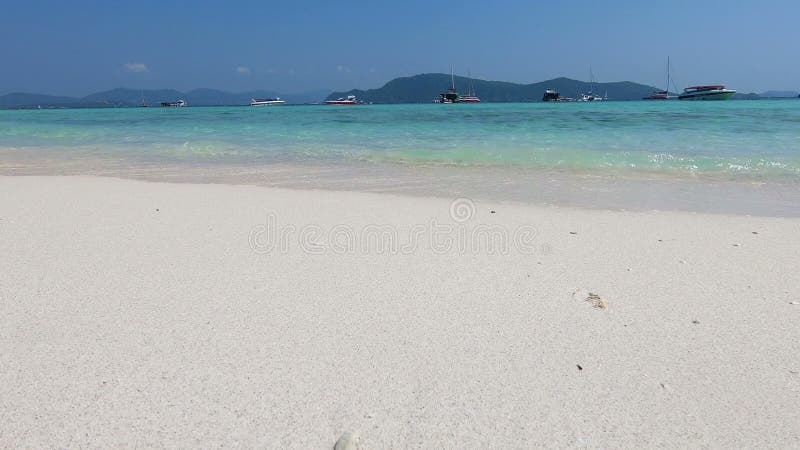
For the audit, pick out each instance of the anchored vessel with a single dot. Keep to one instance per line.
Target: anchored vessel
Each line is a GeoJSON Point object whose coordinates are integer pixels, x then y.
{"type": "Point", "coordinates": [660, 95]}
{"type": "Point", "coordinates": [349, 100]}
{"type": "Point", "coordinates": [470, 97]}
{"type": "Point", "coordinates": [267, 101]}
{"type": "Point", "coordinates": [451, 96]}
{"type": "Point", "coordinates": [178, 104]}
{"type": "Point", "coordinates": [589, 96]}
{"type": "Point", "coordinates": [708, 92]}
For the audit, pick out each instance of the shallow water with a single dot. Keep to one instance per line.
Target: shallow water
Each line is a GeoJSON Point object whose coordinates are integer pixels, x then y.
{"type": "Point", "coordinates": [510, 151]}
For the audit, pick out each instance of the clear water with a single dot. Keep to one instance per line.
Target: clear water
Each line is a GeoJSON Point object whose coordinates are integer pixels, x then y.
{"type": "Point", "coordinates": [722, 140]}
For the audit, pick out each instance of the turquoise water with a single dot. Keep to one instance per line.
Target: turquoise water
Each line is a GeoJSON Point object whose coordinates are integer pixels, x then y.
{"type": "Point", "coordinates": [732, 140]}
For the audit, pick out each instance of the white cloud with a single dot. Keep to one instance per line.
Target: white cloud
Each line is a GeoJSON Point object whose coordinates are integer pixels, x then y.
{"type": "Point", "coordinates": [135, 67]}
{"type": "Point", "coordinates": [372, 70]}
{"type": "Point", "coordinates": [242, 70]}
{"type": "Point", "coordinates": [341, 68]}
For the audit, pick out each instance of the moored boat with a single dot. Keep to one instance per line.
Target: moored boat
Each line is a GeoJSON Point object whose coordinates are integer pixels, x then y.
{"type": "Point", "coordinates": [551, 95]}
{"type": "Point", "coordinates": [590, 96]}
{"type": "Point", "coordinates": [267, 101]}
{"type": "Point", "coordinates": [451, 96]}
{"type": "Point", "coordinates": [657, 95]}
{"type": "Point", "coordinates": [660, 95]}
{"type": "Point", "coordinates": [178, 104]}
{"type": "Point", "coordinates": [349, 100]}
{"type": "Point", "coordinates": [470, 97]}
{"type": "Point", "coordinates": [707, 92]}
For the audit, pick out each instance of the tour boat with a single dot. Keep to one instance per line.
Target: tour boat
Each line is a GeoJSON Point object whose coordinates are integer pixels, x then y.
{"type": "Point", "coordinates": [349, 100]}
{"type": "Point", "coordinates": [708, 92]}
{"type": "Point", "coordinates": [267, 101]}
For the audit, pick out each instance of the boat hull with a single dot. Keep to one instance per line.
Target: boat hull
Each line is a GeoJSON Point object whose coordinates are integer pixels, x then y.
{"type": "Point", "coordinates": [334, 102]}
{"type": "Point", "coordinates": [267, 103]}
{"type": "Point", "coordinates": [713, 95]}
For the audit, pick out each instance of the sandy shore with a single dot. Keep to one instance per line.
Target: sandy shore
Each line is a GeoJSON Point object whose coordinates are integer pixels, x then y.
{"type": "Point", "coordinates": [141, 314]}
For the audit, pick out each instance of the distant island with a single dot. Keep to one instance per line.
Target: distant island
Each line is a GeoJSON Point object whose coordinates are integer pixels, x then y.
{"type": "Point", "coordinates": [422, 88]}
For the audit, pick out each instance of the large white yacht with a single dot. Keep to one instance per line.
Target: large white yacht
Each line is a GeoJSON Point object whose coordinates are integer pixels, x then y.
{"type": "Point", "coordinates": [709, 92]}
{"type": "Point", "coordinates": [267, 101]}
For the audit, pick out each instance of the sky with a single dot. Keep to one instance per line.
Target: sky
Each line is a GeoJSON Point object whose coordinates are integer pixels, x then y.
{"type": "Point", "coordinates": [80, 47]}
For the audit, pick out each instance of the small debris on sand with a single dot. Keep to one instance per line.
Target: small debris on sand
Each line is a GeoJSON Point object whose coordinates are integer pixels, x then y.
{"type": "Point", "coordinates": [579, 367]}
{"type": "Point", "coordinates": [754, 232]}
{"type": "Point", "coordinates": [737, 245]}
{"type": "Point", "coordinates": [682, 261]}
{"type": "Point", "coordinates": [573, 232]}
{"type": "Point", "coordinates": [348, 441]}
{"type": "Point", "coordinates": [156, 209]}
{"type": "Point", "coordinates": [794, 303]}
{"type": "Point", "coordinates": [492, 211]}
{"type": "Point", "coordinates": [695, 321]}
{"type": "Point", "coordinates": [595, 300]}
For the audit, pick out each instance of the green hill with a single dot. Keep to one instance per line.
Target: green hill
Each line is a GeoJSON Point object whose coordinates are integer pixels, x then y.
{"type": "Point", "coordinates": [426, 87]}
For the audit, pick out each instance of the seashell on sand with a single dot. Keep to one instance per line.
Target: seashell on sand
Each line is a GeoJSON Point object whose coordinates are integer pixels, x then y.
{"type": "Point", "coordinates": [348, 441]}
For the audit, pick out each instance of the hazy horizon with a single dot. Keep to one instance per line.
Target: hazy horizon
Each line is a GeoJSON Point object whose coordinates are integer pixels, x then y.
{"type": "Point", "coordinates": [74, 50]}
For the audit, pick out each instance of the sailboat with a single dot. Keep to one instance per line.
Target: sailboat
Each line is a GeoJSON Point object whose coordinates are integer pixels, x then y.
{"type": "Point", "coordinates": [451, 96]}
{"type": "Point", "coordinates": [660, 95]}
{"type": "Point", "coordinates": [470, 97]}
{"type": "Point", "coordinates": [590, 97]}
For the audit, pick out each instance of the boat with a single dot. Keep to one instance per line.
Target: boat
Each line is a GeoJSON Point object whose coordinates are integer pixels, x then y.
{"type": "Point", "coordinates": [267, 101]}
{"type": "Point", "coordinates": [470, 97]}
{"type": "Point", "coordinates": [178, 104]}
{"type": "Point", "coordinates": [589, 96]}
{"type": "Point", "coordinates": [349, 100]}
{"type": "Point", "coordinates": [551, 95]}
{"type": "Point", "coordinates": [660, 95]}
{"type": "Point", "coordinates": [707, 92]}
{"type": "Point", "coordinates": [451, 96]}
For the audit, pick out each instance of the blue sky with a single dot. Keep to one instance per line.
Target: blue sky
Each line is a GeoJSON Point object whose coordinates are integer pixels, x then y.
{"type": "Point", "coordinates": [79, 47]}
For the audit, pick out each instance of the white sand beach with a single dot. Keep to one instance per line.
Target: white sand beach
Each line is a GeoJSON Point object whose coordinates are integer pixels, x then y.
{"type": "Point", "coordinates": [143, 314]}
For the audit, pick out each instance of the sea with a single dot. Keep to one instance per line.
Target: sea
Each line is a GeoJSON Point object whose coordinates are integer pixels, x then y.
{"type": "Point", "coordinates": [728, 157]}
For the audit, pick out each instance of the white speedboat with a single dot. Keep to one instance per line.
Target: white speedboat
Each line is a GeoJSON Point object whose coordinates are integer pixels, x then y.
{"type": "Point", "coordinates": [267, 101]}
{"type": "Point", "coordinates": [178, 104]}
{"type": "Point", "coordinates": [349, 100]}
{"type": "Point", "coordinates": [709, 92]}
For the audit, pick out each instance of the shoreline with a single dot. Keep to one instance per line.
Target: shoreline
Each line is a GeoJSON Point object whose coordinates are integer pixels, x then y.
{"type": "Point", "coordinates": [157, 314]}
{"type": "Point", "coordinates": [543, 187]}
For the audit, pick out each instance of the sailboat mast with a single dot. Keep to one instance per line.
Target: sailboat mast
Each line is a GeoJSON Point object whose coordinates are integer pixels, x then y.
{"type": "Point", "coordinates": [452, 78]}
{"type": "Point", "coordinates": [667, 76]}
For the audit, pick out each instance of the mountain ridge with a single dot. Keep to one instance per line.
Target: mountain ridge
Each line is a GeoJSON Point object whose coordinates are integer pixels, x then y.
{"type": "Point", "coordinates": [424, 88]}
{"type": "Point", "coordinates": [420, 88]}
{"type": "Point", "coordinates": [127, 97]}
